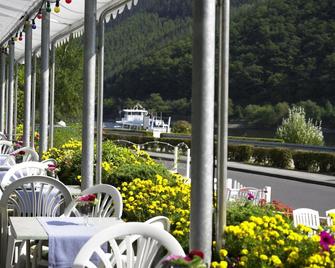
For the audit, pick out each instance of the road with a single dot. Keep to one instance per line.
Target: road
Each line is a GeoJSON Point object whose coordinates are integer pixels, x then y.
{"type": "Point", "coordinates": [293, 193]}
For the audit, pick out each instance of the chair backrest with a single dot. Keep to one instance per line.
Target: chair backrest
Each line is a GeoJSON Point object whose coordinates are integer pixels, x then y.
{"type": "Point", "coordinates": [306, 216]}
{"type": "Point", "coordinates": [160, 221]}
{"type": "Point", "coordinates": [329, 219]}
{"type": "Point", "coordinates": [6, 147]}
{"type": "Point", "coordinates": [23, 170]}
{"type": "Point", "coordinates": [31, 197]}
{"type": "Point", "coordinates": [141, 253]}
{"type": "Point", "coordinates": [7, 160]}
{"type": "Point", "coordinates": [28, 153]}
{"type": "Point", "coordinates": [109, 202]}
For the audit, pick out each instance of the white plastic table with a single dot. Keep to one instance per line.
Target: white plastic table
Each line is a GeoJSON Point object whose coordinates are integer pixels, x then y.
{"type": "Point", "coordinates": [29, 228]}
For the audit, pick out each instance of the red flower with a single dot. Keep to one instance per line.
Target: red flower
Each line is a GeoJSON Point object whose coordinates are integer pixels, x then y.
{"type": "Point", "coordinates": [196, 252]}
{"type": "Point", "coordinates": [88, 198]}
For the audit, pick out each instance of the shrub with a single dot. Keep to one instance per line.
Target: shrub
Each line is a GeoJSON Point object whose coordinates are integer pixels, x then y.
{"type": "Point", "coordinates": [326, 162]}
{"type": "Point", "coordinates": [68, 158]}
{"type": "Point", "coordinates": [240, 153]}
{"type": "Point", "coordinates": [182, 126]}
{"type": "Point", "coordinates": [261, 156]}
{"type": "Point", "coordinates": [280, 158]}
{"type": "Point", "coordinates": [119, 163]}
{"type": "Point", "coordinates": [306, 161]}
{"type": "Point", "coordinates": [295, 129]}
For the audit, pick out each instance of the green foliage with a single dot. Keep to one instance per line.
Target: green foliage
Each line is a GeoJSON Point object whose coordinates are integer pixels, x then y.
{"type": "Point", "coordinates": [126, 164]}
{"type": "Point", "coordinates": [182, 126]}
{"type": "Point", "coordinates": [64, 134]}
{"type": "Point", "coordinates": [314, 161]}
{"type": "Point", "coordinates": [239, 153]}
{"type": "Point", "coordinates": [295, 129]}
{"type": "Point", "coordinates": [280, 158]}
{"type": "Point", "coordinates": [69, 82]}
{"type": "Point", "coordinates": [237, 212]}
{"type": "Point", "coordinates": [261, 156]}
{"type": "Point", "coordinates": [119, 164]}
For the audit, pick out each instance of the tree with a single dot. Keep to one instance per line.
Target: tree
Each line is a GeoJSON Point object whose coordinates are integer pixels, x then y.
{"type": "Point", "coordinates": [296, 129]}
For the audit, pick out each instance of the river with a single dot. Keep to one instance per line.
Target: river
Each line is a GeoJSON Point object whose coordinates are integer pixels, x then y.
{"type": "Point", "coordinates": [329, 135]}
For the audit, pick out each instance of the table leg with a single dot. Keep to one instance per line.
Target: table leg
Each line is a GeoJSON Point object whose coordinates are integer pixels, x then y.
{"type": "Point", "coordinates": [28, 253]}
{"type": "Point", "coordinates": [10, 251]}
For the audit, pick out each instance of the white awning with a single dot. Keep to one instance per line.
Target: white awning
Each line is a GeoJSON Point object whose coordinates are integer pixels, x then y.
{"type": "Point", "coordinates": [68, 21]}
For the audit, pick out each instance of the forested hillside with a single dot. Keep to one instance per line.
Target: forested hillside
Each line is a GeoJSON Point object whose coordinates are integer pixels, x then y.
{"type": "Point", "coordinates": [281, 52]}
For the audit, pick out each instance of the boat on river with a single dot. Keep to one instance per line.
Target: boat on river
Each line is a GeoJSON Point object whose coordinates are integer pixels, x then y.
{"type": "Point", "coordinates": [139, 118]}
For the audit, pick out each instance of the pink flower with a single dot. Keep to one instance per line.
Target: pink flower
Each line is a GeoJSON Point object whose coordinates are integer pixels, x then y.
{"type": "Point", "coordinates": [51, 167]}
{"type": "Point", "coordinates": [250, 196]}
{"type": "Point", "coordinates": [326, 239]}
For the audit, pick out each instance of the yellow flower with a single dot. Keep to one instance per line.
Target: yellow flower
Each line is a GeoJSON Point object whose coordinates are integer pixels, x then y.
{"type": "Point", "coordinates": [223, 264]}
{"type": "Point", "coordinates": [244, 251]}
{"type": "Point", "coordinates": [263, 257]}
{"type": "Point", "coordinates": [276, 261]}
{"type": "Point", "coordinates": [223, 253]}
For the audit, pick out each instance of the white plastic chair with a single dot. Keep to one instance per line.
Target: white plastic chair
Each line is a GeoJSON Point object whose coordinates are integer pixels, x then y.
{"type": "Point", "coordinates": [29, 154]}
{"type": "Point", "coordinates": [329, 219]}
{"type": "Point", "coordinates": [109, 202]}
{"type": "Point", "coordinates": [160, 221]}
{"type": "Point", "coordinates": [6, 147]}
{"type": "Point", "coordinates": [306, 216]}
{"type": "Point", "coordinates": [23, 170]}
{"type": "Point", "coordinates": [30, 197]}
{"type": "Point", "coordinates": [3, 136]}
{"type": "Point", "coordinates": [141, 253]}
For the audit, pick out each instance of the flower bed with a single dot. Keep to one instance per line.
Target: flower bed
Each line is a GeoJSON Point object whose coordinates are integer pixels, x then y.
{"type": "Point", "coordinates": [273, 242]}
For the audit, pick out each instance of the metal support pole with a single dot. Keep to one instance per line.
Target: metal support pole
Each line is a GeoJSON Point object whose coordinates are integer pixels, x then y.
{"type": "Point", "coordinates": [27, 84]}
{"type": "Point", "coordinates": [2, 91]}
{"type": "Point", "coordinates": [100, 107]}
{"type": "Point", "coordinates": [33, 102]}
{"type": "Point", "coordinates": [222, 154]}
{"type": "Point", "coordinates": [6, 99]}
{"type": "Point", "coordinates": [202, 126]}
{"type": "Point", "coordinates": [188, 163]}
{"type": "Point", "coordinates": [15, 96]}
{"type": "Point", "coordinates": [52, 93]}
{"type": "Point", "coordinates": [11, 90]}
{"type": "Point", "coordinates": [44, 91]}
{"type": "Point", "coordinates": [89, 93]}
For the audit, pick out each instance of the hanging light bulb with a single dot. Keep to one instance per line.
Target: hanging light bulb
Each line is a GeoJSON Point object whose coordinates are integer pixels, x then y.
{"type": "Point", "coordinates": [39, 14]}
{"type": "Point", "coordinates": [57, 8]}
{"type": "Point", "coordinates": [48, 9]}
{"type": "Point", "coordinates": [68, 1]}
{"type": "Point", "coordinates": [16, 36]}
{"type": "Point", "coordinates": [21, 37]}
{"type": "Point", "coordinates": [33, 25]}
